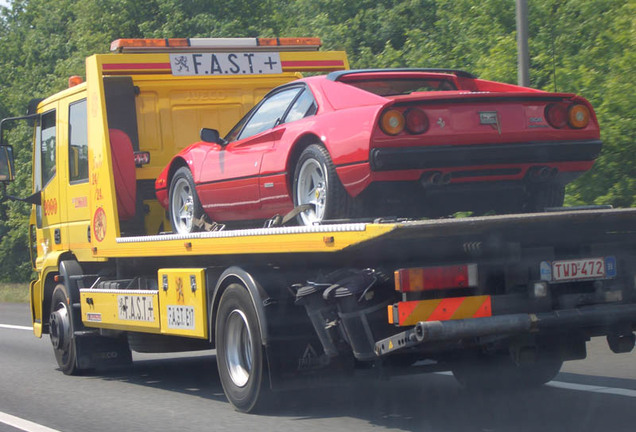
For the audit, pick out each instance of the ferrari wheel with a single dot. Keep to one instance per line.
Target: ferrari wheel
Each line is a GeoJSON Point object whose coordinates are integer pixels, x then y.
{"type": "Point", "coordinates": [61, 331]}
{"type": "Point", "coordinates": [316, 182]}
{"type": "Point", "coordinates": [545, 196]}
{"type": "Point", "coordinates": [185, 207]}
{"type": "Point", "coordinates": [239, 350]}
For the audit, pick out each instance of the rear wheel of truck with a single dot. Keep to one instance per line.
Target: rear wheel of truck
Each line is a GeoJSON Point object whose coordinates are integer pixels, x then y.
{"type": "Point", "coordinates": [61, 331]}
{"type": "Point", "coordinates": [499, 372]}
{"type": "Point", "coordinates": [239, 350]}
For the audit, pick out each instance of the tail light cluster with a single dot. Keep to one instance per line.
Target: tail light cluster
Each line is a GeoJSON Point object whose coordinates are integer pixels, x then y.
{"type": "Point", "coordinates": [560, 115]}
{"type": "Point", "coordinates": [435, 278]}
{"type": "Point", "coordinates": [413, 120]}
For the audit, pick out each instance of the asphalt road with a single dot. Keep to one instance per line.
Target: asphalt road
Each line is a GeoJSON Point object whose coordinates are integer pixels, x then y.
{"type": "Point", "coordinates": [161, 393]}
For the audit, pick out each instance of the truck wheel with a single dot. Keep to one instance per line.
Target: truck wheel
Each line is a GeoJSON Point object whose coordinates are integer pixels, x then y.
{"type": "Point", "coordinates": [185, 206]}
{"type": "Point", "coordinates": [239, 350]}
{"type": "Point", "coordinates": [545, 196]}
{"type": "Point", "coordinates": [316, 182]}
{"type": "Point", "coordinates": [500, 372]}
{"type": "Point", "coordinates": [61, 331]}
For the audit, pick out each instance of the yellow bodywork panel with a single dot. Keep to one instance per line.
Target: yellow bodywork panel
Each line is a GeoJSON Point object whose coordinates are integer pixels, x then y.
{"type": "Point", "coordinates": [134, 310]}
{"type": "Point", "coordinates": [182, 299]}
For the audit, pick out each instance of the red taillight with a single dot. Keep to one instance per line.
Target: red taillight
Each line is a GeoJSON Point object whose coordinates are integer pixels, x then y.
{"type": "Point", "coordinates": [557, 115]}
{"type": "Point", "coordinates": [416, 121]}
{"type": "Point", "coordinates": [578, 116]}
{"type": "Point", "coordinates": [435, 278]}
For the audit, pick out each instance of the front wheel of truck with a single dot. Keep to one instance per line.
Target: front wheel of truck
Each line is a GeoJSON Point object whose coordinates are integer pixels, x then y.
{"type": "Point", "coordinates": [240, 355]}
{"type": "Point", "coordinates": [61, 331]}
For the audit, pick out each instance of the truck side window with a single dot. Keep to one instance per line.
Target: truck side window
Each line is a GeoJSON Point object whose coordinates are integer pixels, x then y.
{"type": "Point", "coordinates": [47, 146]}
{"type": "Point", "coordinates": [78, 142]}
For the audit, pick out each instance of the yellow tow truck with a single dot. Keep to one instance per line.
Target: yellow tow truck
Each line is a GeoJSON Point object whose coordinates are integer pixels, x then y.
{"type": "Point", "coordinates": [499, 300]}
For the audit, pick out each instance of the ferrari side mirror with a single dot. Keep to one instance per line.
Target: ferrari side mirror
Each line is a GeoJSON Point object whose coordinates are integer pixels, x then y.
{"type": "Point", "coordinates": [212, 136]}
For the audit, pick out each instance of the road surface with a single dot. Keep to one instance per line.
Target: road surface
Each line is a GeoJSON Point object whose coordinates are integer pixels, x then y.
{"type": "Point", "coordinates": [164, 393]}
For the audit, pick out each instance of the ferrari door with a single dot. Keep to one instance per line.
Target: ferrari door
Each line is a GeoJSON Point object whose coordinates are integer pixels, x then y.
{"type": "Point", "coordinates": [229, 185]}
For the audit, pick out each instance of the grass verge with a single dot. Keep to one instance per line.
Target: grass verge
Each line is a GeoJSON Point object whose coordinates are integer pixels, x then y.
{"type": "Point", "coordinates": [14, 292]}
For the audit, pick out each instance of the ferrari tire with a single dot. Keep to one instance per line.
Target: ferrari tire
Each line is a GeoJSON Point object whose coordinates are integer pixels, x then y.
{"type": "Point", "coordinates": [316, 182]}
{"type": "Point", "coordinates": [184, 205]}
{"type": "Point", "coordinates": [61, 331]}
{"type": "Point", "coordinates": [499, 372]}
{"type": "Point", "coordinates": [545, 196]}
{"type": "Point", "coordinates": [240, 356]}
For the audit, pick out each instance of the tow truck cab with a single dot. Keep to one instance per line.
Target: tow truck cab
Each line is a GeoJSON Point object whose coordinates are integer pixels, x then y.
{"type": "Point", "coordinates": [100, 144]}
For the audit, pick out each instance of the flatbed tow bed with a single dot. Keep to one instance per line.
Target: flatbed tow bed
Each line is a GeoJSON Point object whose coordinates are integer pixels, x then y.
{"type": "Point", "coordinates": [380, 239]}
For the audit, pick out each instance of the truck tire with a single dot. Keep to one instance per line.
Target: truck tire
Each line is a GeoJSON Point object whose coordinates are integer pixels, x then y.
{"type": "Point", "coordinates": [240, 355]}
{"type": "Point", "coordinates": [316, 182]}
{"type": "Point", "coordinates": [499, 372]}
{"type": "Point", "coordinates": [61, 331]}
{"type": "Point", "coordinates": [184, 204]}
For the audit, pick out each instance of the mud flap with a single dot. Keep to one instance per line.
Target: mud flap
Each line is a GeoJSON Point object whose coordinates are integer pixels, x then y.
{"type": "Point", "coordinates": [96, 352]}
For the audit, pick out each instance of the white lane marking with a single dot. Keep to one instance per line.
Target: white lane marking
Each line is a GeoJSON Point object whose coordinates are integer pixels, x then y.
{"type": "Point", "coordinates": [15, 327]}
{"type": "Point", "coordinates": [581, 387]}
{"type": "Point", "coordinates": [23, 424]}
{"type": "Point", "coordinates": [593, 388]}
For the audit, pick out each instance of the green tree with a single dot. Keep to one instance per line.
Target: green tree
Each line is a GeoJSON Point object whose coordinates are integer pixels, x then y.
{"type": "Point", "coordinates": [578, 46]}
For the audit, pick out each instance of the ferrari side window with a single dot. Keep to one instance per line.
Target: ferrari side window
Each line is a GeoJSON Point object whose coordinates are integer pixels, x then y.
{"type": "Point", "coordinates": [269, 113]}
{"type": "Point", "coordinates": [303, 107]}
{"type": "Point", "coordinates": [233, 134]}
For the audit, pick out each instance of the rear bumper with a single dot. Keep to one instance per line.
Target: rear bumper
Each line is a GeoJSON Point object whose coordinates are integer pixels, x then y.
{"type": "Point", "coordinates": [455, 330]}
{"type": "Point", "coordinates": [387, 159]}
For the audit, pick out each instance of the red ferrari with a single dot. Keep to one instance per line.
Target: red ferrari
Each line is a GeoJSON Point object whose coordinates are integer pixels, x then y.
{"type": "Point", "coordinates": [369, 143]}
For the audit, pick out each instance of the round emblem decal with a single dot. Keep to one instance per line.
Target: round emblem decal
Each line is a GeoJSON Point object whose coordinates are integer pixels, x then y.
{"type": "Point", "coordinates": [99, 224]}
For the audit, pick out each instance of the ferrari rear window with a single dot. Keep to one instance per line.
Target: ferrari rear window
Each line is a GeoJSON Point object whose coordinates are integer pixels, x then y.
{"type": "Point", "coordinates": [402, 86]}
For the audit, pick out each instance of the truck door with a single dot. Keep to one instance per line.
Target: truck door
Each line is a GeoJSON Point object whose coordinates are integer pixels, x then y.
{"type": "Point", "coordinates": [45, 179]}
{"type": "Point", "coordinates": [73, 176]}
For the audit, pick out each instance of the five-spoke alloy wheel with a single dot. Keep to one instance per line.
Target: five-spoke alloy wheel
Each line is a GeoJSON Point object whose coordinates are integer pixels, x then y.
{"type": "Point", "coordinates": [185, 207]}
{"type": "Point", "coordinates": [316, 182]}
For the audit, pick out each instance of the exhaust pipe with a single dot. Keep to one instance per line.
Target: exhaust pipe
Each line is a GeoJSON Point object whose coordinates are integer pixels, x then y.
{"type": "Point", "coordinates": [431, 178]}
{"type": "Point", "coordinates": [455, 330]}
{"type": "Point", "coordinates": [542, 173]}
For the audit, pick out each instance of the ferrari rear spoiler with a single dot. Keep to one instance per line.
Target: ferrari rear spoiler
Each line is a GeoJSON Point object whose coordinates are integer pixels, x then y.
{"type": "Point", "coordinates": [458, 96]}
{"type": "Point", "coordinates": [336, 76]}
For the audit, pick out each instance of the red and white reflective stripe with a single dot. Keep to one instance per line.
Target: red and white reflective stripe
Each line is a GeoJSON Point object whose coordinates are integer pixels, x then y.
{"type": "Point", "coordinates": [411, 312]}
{"type": "Point", "coordinates": [434, 278]}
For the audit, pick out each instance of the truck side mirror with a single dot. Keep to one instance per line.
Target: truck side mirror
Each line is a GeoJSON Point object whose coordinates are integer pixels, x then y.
{"type": "Point", "coordinates": [212, 136]}
{"type": "Point", "coordinates": [7, 165]}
